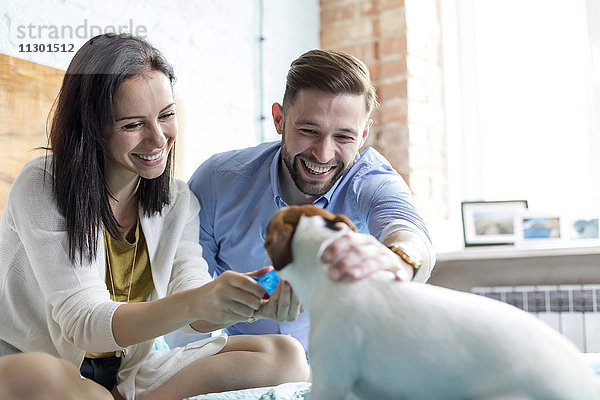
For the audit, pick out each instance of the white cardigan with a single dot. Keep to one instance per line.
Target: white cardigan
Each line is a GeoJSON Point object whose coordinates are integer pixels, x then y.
{"type": "Point", "coordinates": [50, 305]}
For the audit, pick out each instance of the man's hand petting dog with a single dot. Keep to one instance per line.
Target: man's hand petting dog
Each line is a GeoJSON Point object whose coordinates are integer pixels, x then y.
{"type": "Point", "coordinates": [353, 255]}
{"type": "Point", "coordinates": [357, 255]}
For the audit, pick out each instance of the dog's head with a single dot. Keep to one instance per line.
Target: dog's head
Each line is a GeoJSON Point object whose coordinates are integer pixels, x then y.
{"type": "Point", "coordinates": [283, 224]}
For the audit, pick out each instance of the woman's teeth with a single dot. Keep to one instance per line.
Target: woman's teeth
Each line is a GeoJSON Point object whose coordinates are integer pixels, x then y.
{"type": "Point", "coordinates": [315, 169]}
{"type": "Point", "coordinates": [150, 158]}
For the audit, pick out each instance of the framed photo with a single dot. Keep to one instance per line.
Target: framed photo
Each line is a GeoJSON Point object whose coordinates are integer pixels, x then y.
{"type": "Point", "coordinates": [490, 222]}
{"type": "Point", "coordinates": [582, 228]}
{"type": "Point", "coordinates": [536, 228]}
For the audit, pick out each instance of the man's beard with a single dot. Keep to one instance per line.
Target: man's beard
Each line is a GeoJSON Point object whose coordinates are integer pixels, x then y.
{"type": "Point", "coordinates": [309, 188]}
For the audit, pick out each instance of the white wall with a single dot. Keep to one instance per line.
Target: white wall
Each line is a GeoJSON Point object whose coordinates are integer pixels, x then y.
{"type": "Point", "coordinates": [291, 27]}
{"type": "Point", "coordinates": [593, 13]}
{"type": "Point", "coordinates": [213, 46]}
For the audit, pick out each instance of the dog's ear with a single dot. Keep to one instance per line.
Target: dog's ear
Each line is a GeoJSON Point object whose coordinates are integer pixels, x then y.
{"type": "Point", "coordinates": [345, 220]}
{"type": "Point", "coordinates": [279, 244]}
{"type": "Point", "coordinates": [280, 230]}
{"type": "Point", "coordinates": [282, 226]}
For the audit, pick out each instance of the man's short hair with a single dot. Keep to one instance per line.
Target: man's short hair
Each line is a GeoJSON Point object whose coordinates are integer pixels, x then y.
{"type": "Point", "coordinates": [332, 72]}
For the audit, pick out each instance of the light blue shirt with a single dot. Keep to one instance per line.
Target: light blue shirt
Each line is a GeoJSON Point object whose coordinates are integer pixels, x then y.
{"type": "Point", "coordinates": [239, 191]}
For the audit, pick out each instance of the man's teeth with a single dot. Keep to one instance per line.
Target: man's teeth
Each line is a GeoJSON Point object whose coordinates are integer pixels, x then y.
{"type": "Point", "coordinates": [150, 158]}
{"type": "Point", "coordinates": [315, 169]}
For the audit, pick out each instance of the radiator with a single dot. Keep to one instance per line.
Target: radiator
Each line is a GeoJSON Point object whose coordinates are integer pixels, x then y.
{"type": "Point", "coordinates": [573, 310]}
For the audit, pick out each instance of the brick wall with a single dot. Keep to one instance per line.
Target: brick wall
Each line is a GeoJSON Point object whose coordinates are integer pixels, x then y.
{"type": "Point", "coordinates": [400, 41]}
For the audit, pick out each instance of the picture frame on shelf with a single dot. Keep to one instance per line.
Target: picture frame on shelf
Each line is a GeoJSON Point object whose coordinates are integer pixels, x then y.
{"type": "Point", "coordinates": [488, 223]}
{"type": "Point", "coordinates": [582, 228]}
{"type": "Point", "coordinates": [535, 228]}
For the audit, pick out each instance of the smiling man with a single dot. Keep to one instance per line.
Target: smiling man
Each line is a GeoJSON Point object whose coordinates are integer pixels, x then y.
{"type": "Point", "coordinates": [324, 132]}
{"type": "Point", "coordinates": [324, 120]}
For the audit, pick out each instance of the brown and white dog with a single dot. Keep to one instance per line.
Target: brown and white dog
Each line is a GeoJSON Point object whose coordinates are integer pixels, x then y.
{"type": "Point", "coordinates": [378, 338]}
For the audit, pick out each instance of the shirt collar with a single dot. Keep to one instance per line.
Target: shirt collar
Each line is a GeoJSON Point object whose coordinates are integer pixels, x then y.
{"type": "Point", "coordinates": [275, 185]}
{"type": "Point", "coordinates": [321, 201]}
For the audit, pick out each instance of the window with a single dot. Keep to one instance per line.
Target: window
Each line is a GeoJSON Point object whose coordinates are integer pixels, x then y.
{"type": "Point", "coordinates": [522, 100]}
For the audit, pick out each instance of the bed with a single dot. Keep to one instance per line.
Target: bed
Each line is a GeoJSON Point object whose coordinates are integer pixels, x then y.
{"type": "Point", "coordinates": [299, 390]}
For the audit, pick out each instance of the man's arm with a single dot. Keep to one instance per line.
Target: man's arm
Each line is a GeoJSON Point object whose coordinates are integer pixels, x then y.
{"type": "Point", "coordinates": [413, 244]}
{"type": "Point", "coordinates": [384, 201]}
{"type": "Point", "coordinates": [393, 218]}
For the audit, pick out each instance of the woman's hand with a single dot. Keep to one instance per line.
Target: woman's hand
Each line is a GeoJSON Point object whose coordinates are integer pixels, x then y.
{"type": "Point", "coordinates": [357, 255]}
{"type": "Point", "coordinates": [230, 298]}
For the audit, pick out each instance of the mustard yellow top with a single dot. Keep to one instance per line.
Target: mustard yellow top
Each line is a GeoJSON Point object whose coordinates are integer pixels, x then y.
{"type": "Point", "coordinates": [119, 254]}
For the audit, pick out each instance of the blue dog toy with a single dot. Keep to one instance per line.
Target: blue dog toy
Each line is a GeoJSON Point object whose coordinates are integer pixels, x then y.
{"type": "Point", "coordinates": [268, 281]}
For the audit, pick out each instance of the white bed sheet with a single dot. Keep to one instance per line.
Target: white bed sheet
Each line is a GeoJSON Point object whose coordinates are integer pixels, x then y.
{"type": "Point", "coordinates": [299, 390]}
{"type": "Point", "coordinates": [286, 391]}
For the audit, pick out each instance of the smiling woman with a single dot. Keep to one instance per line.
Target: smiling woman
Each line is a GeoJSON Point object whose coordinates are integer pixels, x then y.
{"type": "Point", "coordinates": [99, 248]}
{"type": "Point", "coordinates": [82, 145]}
{"type": "Point", "coordinates": [140, 141]}
{"type": "Point", "coordinates": [145, 125]}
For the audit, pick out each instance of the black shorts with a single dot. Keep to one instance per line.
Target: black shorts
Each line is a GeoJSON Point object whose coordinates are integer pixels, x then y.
{"type": "Point", "coordinates": [101, 370]}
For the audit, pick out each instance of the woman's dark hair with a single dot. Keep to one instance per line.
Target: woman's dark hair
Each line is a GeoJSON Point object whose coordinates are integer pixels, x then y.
{"type": "Point", "coordinates": [82, 111]}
